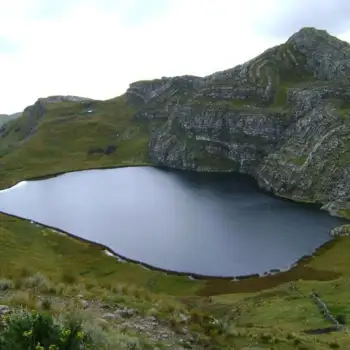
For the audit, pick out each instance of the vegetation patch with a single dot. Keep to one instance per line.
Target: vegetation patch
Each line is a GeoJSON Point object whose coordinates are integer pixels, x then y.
{"type": "Point", "coordinates": [63, 139]}
{"type": "Point", "coordinates": [27, 249]}
{"type": "Point", "coordinates": [299, 161]}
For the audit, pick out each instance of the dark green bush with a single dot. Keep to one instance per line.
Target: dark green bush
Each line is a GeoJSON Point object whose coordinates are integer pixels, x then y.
{"type": "Point", "coordinates": [39, 331]}
{"type": "Point", "coordinates": [341, 319]}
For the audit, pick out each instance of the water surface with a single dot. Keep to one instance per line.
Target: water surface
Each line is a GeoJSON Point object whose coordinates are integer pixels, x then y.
{"type": "Point", "coordinates": [205, 223]}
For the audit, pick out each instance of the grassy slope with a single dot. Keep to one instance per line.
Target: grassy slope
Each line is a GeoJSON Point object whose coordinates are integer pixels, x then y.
{"type": "Point", "coordinates": [25, 246]}
{"type": "Point", "coordinates": [4, 118]}
{"type": "Point", "coordinates": [60, 143]}
{"type": "Point", "coordinates": [64, 135]}
{"type": "Point", "coordinates": [273, 315]}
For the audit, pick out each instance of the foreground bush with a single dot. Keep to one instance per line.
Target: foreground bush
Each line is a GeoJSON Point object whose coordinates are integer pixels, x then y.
{"type": "Point", "coordinates": [25, 330]}
{"type": "Point", "coordinates": [38, 331]}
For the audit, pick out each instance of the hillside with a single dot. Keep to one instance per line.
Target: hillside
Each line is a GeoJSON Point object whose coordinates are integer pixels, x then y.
{"type": "Point", "coordinates": [4, 118]}
{"type": "Point", "coordinates": [282, 117]}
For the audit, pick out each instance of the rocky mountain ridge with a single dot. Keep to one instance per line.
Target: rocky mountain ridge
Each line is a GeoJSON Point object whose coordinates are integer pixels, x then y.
{"type": "Point", "coordinates": [283, 117]}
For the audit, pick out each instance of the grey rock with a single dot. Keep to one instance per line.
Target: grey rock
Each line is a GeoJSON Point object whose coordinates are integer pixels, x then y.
{"type": "Point", "coordinates": [126, 312]}
{"type": "Point", "coordinates": [111, 316]}
{"type": "Point", "coordinates": [151, 319]}
{"type": "Point", "coordinates": [343, 230]}
{"type": "Point", "coordinates": [61, 98]}
{"type": "Point", "coordinates": [4, 309]}
{"type": "Point", "coordinates": [84, 304]}
{"type": "Point", "coordinates": [282, 117]}
{"type": "Point", "coordinates": [183, 318]}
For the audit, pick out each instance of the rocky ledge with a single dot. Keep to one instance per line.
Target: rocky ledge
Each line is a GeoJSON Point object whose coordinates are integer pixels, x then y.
{"type": "Point", "coordinates": [343, 230]}
{"type": "Point", "coordinates": [283, 117]}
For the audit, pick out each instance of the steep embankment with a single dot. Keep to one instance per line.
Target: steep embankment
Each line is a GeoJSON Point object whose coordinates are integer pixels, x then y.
{"type": "Point", "coordinates": [283, 117]}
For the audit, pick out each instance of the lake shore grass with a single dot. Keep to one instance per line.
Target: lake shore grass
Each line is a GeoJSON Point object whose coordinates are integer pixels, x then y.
{"type": "Point", "coordinates": [259, 308]}
{"type": "Point", "coordinates": [264, 312]}
{"type": "Point", "coordinates": [40, 249]}
{"type": "Point", "coordinates": [55, 241]}
{"type": "Point", "coordinates": [243, 283]}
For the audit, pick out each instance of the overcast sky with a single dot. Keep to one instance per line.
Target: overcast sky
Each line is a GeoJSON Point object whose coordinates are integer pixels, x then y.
{"type": "Point", "coordinates": [95, 48]}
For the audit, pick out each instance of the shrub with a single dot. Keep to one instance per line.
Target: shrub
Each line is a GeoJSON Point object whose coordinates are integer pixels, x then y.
{"type": "Point", "coordinates": [266, 338]}
{"type": "Point", "coordinates": [38, 282]}
{"type": "Point", "coordinates": [33, 331]}
{"type": "Point", "coordinates": [334, 345]}
{"type": "Point", "coordinates": [24, 272]}
{"type": "Point", "coordinates": [341, 319]}
{"type": "Point", "coordinates": [46, 304]}
{"type": "Point", "coordinates": [24, 299]}
{"type": "Point", "coordinates": [60, 289]}
{"type": "Point", "coordinates": [69, 277]}
{"type": "Point", "coordinates": [6, 284]}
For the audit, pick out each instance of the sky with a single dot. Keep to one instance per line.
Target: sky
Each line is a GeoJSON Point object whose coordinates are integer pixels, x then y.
{"type": "Point", "coordinates": [96, 48]}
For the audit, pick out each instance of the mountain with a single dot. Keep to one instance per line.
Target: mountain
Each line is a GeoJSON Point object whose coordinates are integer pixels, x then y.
{"type": "Point", "coordinates": [282, 117]}
{"type": "Point", "coordinates": [4, 118]}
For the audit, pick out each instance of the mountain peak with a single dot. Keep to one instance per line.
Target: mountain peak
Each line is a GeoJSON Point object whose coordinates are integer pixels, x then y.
{"type": "Point", "coordinates": [326, 55]}
{"type": "Point", "coordinates": [313, 37]}
{"type": "Point", "coordinates": [310, 32]}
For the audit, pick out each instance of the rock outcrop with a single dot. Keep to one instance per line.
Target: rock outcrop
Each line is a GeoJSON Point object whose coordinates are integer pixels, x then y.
{"type": "Point", "coordinates": [283, 117]}
{"type": "Point", "coordinates": [63, 98]}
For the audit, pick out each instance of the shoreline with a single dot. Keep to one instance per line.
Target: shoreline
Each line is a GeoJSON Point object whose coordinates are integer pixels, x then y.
{"type": "Point", "coordinates": [56, 174]}
{"type": "Point", "coordinates": [314, 204]}
{"type": "Point", "coordinates": [301, 262]}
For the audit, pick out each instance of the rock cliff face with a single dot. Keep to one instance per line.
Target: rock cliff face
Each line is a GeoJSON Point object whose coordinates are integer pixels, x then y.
{"type": "Point", "coordinates": [283, 117]}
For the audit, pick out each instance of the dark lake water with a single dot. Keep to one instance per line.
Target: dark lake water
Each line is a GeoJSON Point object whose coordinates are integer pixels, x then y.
{"type": "Point", "coordinates": [205, 223]}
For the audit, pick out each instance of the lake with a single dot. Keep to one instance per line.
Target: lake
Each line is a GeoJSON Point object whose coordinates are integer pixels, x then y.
{"type": "Point", "coordinates": [205, 223]}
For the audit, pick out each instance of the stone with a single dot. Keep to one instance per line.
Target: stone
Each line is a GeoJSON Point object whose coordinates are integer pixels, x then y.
{"type": "Point", "coordinates": [4, 309]}
{"type": "Point", "coordinates": [343, 230]}
{"type": "Point", "coordinates": [183, 318]}
{"type": "Point", "coordinates": [84, 304]}
{"type": "Point", "coordinates": [151, 319]}
{"type": "Point", "coordinates": [125, 312]}
{"type": "Point", "coordinates": [111, 316]}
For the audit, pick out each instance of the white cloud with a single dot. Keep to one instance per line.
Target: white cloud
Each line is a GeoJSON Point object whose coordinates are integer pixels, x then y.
{"type": "Point", "coordinates": [96, 50]}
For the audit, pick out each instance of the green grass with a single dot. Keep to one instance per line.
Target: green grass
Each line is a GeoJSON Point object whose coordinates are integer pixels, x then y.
{"type": "Point", "coordinates": [297, 160]}
{"type": "Point", "coordinates": [342, 106]}
{"type": "Point", "coordinates": [60, 142]}
{"type": "Point", "coordinates": [62, 139]}
{"type": "Point", "coordinates": [344, 213]}
{"type": "Point", "coordinates": [27, 247]}
{"type": "Point", "coordinates": [281, 309]}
